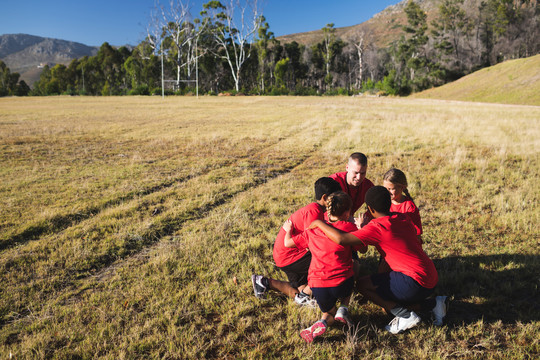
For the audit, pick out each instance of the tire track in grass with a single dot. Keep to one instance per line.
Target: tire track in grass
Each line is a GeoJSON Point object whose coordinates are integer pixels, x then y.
{"type": "Point", "coordinates": [75, 291]}
{"type": "Point", "coordinates": [61, 222]}
{"type": "Point", "coordinates": [49, 283]}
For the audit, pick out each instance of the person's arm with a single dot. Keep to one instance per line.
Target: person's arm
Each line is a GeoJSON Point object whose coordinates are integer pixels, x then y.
{"type": "Point", "coordinates": [337, 236]}
{"type": "Point", "coordinates": [288, 241]}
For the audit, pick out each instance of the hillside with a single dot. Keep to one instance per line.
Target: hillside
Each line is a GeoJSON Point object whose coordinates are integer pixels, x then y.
{"type": "Point", "coordinates": [382, 28]}
{"type": "Point", "coordinates": [24, 53]}
{"type": "Point", "coordinates": [511, 82]}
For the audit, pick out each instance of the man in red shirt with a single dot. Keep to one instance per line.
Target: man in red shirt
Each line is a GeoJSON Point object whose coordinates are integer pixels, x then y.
{"type": "Point", "coordinates": [294, 262]}
{"type": "Point", "coordinates": [413, 275]}
{"type": "Point", "coordinates": [353, 181]}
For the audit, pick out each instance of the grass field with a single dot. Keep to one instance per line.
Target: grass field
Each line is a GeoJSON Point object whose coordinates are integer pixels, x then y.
{"type": "Point", "coordinates": [130, 227]}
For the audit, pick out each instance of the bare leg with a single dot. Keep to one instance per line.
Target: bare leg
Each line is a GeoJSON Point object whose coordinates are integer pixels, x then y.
{"type": "Point", "coordinates": [366, 288]}
{"type": "Point", "coordinates": [306, 289]}
{"type": "Point", "coordinates": [283, 287]}
{"type": "Point", "coordinates": [329, 316]}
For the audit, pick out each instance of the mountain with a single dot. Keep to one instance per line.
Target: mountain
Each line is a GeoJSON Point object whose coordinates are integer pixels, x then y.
{"type": "Point", "coordinates": [511, 82]}
{"type": "Point", "coordinates": [381, 29]}
{"type": "Point", "coordinates": [25, 54]}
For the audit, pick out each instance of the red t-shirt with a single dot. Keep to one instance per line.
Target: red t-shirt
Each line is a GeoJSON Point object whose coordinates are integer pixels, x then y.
{"type": "Point", "coordinates": [301, 219]}
{"type": "Point", "coordinates": [409, 208]}
{"type": "Point", "coordinates": [331, 264]}
{"type": "Point", "coordinates": [395, 238]}
{"type": "Point", "coordinates": [357, 193]}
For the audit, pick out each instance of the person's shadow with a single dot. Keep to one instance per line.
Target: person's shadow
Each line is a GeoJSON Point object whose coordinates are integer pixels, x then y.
{"type": "Point", "coordinates": [502, 288]}
{"type": "Point", "coordinates": [494, 288]}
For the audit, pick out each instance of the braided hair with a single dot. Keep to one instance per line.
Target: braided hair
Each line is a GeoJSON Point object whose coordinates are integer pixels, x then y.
{"type": "Point", "coordinates": [338, 203]}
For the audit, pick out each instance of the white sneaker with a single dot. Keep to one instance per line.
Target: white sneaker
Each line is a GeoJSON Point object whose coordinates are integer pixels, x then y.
{"type": "Point", "coordinates": [440, 310]}
{"type": "Point", "coordinates": [260, 285]}
{"type": "Point", "coordinates": [400, 324]}
{"type": "Point", "coordinates": [304, 300]}
{"type": "Point", "coordinates": [342, 315]}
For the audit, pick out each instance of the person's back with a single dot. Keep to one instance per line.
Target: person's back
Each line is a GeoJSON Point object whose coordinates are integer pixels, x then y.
{"type": "Point", "coordinates": [331, 263]}
{"type": "Point", "coordinates": [301, 219]}
{"type": "Point", "coordinates": [395, 238]}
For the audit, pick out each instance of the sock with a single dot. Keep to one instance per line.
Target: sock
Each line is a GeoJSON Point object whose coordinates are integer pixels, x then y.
{"type": "Point", "coordinates": [302, 294]}
{"type": "Point", "coordinates": [265, 282]}
{"type": "Point", "coordinates": [400, 311]}
{"type": "Point", "coordinates": [324, 322]}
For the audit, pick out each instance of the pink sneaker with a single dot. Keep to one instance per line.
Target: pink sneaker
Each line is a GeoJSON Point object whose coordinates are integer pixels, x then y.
{"type": "Point", "coordinates": [313, 331]}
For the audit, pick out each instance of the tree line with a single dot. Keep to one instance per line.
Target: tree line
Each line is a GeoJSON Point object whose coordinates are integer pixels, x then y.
{"type": "Point", "coordinates": [230, 48]}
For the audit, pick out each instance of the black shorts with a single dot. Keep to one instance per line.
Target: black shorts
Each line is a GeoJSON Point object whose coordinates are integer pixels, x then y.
{"type": "Point", "coordinates": [297, 271]}
{"type": "Point", "coordinates": [327, 297]}
{"type": "Point", "coordinates": [398, 287]}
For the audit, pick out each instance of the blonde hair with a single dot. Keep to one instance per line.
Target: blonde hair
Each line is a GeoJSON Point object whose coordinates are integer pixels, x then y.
{"type": "Point", "coordinates": [397, 177]}
{"type": "Point", "coordinates": [338, 203]}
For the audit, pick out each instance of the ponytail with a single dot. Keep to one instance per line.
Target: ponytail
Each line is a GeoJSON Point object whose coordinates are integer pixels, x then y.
{"type": "Point", "coordinates": [338, 203]}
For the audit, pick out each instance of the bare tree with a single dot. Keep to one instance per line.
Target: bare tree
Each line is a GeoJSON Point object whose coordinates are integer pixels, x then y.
{"type": "Point", "coordinates": [173, 28]}
{"type": "Point", "coordinates": [233, 27]}
{"type": "Point", "coordinates": [360, 47]}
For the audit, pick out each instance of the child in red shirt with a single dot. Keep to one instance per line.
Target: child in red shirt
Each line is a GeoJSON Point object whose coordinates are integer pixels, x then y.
{"type": "Point", "coordinates": [294, 262]}
{"type": "Point", "coordinates": [395, 182]}
{"type": "Point", "coordinates": [331, 275]}
{"type": "Point", "coordinates": [413, 275]}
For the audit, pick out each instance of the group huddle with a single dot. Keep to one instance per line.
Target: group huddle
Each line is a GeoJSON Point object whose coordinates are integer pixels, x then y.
{"type": "Point", "coordinates": [318, 246]}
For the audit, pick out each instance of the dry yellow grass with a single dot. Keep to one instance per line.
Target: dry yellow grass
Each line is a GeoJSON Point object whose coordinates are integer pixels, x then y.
{"type": "Point", "coordinates": [130, 227]}
{"type": "Point", "coordinates": [511, 82]}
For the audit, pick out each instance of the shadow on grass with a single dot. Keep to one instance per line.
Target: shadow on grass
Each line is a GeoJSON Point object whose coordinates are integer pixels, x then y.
{"type": "Point", "coordinates": [491, 287]}
{"type": "Point", "coordinates": [494, 288]}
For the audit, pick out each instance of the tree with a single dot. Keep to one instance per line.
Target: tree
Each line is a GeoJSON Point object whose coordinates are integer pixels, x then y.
{"type": "Point", "coordinates": [329, 39]}
{"type": "Point", "coordinates": [415, 71]}
{"type": "Point", "coordinates": [280, 71]}
{"type": "Point", "coordinates": [179, 35]}
{"type": "Point", "coordinates": [264, 38]}
{"type": "Point", "coordinates": [297, 67]}
{"type": "Point", "coordinates": [450, 30]}
{"type": "Point", "coordinates": [8, 80]}
{"type": "Point", "coordinates": [232, 27]}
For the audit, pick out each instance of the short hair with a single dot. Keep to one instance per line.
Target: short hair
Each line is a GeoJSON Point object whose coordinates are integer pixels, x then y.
{"type": "Point", "coordinates": [338, 203]}
{"type": "Point", "coordinates": [378, 198]}
{"type": "Point", "coordinates": [325, 186]}
{"type": "Point", "coordinates": [359, 158]}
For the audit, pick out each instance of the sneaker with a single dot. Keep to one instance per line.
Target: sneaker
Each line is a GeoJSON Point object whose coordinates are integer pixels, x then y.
{"type": "Point", "coordinates": [260, 285]}
{"type": "Point", "coordinates": [313, 331]}
{"type": "Point", "coordinates": [400, 324]}
{"type": "Point", "coordinates": [440, 310]}
{"type": "Point", "coordinates": [342, 315]}
{"type": "Point", "coordinates": [304, 300]}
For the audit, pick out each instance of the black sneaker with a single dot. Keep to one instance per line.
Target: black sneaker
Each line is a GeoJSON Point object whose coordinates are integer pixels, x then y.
{"type": "Point", "coordinates": [260, 285]}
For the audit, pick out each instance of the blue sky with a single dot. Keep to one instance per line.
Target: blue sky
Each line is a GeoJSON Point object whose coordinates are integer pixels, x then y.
{"type": "Point", "coordinates": [120, 22]}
